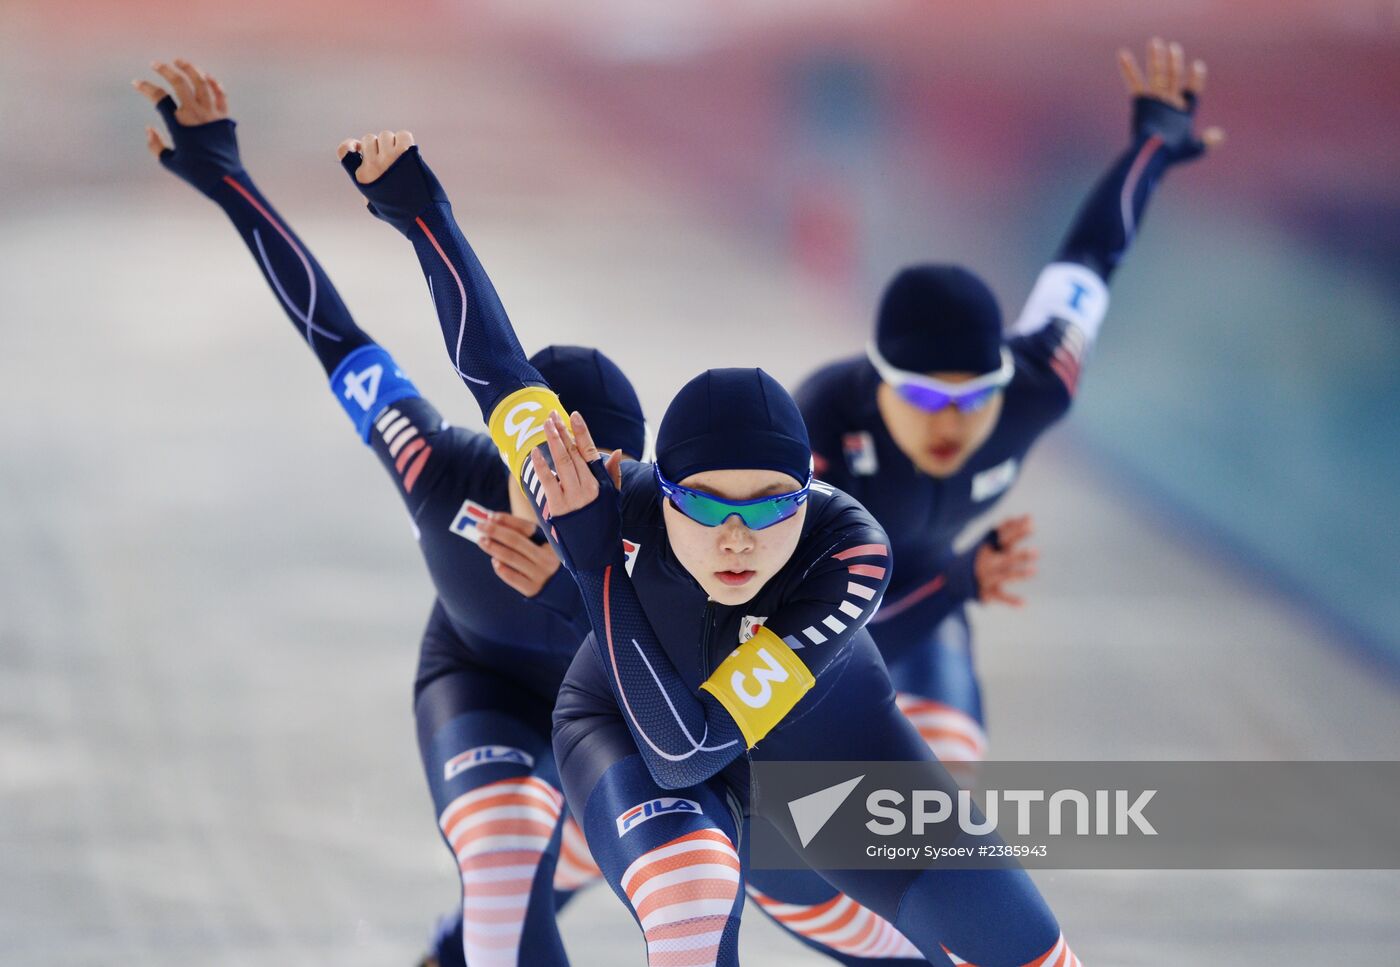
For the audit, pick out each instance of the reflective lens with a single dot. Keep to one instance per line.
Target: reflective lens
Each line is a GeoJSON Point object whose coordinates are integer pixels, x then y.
{"type": "Point", "coordinates": [712, 511]}
{"type": "Point", "coordinates": [927, 398]}
{"type": "Point", "coordinates": [928, 393]}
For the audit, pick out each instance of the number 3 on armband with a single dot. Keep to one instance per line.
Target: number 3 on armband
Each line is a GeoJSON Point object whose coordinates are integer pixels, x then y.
{"type": "Point", "coordinates": [363, 387]}
{"type": "Point", "coordinates": [765, 677]}
{"type": "Point", "coordinates": [759, 683]}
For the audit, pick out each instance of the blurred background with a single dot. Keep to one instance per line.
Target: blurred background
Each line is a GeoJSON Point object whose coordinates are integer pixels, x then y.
{"type": "Point", "coordinates": [210, 603]}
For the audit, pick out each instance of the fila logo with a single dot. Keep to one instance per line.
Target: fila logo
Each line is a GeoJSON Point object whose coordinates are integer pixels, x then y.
{"type": "Point", "coordinates": [486, 755]}
{"type": "Point", "coordinates": [749, 626]}
{"type": "Point", "coordinates": [464, 524]}
{"type": "Point", "coordinates": [630, 550]}
{"type": "Point", "coordinates": [641, 812]}
{"type": "Point", "coordinates": [989, 483]}
{"type": "Point", "coordinates": [860, 453]}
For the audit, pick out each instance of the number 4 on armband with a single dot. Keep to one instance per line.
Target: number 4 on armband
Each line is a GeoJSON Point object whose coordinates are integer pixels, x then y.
{"type": "Point", "coordinates": [363, 387]}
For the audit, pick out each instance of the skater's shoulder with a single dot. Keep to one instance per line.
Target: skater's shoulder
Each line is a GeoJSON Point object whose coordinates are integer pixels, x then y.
{"type": "Point", "coordinates": [839, 381]}
{"type": "Point", "coordinates": [834, 516]}
{"type": "Point", "coordinates": [1047, 369]}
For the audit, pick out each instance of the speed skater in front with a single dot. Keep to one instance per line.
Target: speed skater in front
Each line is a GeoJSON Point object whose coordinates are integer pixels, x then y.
{"type": "Point", "coordinates": [735, 632]}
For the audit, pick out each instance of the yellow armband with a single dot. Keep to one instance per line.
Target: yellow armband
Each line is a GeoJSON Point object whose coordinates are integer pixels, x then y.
{"type": "Point", "coordinates": [759, 684]}
{"type": "Point", "coordinates": [517, 424]}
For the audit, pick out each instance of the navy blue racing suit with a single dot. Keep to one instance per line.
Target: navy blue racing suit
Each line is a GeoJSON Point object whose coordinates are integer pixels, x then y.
{"type": "Point", "coordinates": [922, 628]}
{"type": "Point", "coordinates": [491, 659]}
{"type": "Point", "coordinates": [659, 715]}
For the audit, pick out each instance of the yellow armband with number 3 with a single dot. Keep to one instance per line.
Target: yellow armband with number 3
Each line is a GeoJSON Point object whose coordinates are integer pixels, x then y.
{"type": "Point", "coordinates": [517, 423]}
{"type": "Point", "coordinates": [759, 684]}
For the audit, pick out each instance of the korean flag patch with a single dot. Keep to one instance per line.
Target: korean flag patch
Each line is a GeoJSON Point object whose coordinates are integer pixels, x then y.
{"type": "Point", "coordinates": [990, 483]}
{"type": "Point", "coordinates": [860, 453]}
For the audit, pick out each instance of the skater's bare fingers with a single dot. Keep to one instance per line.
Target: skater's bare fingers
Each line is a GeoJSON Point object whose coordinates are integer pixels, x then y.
{"type": "Point", "coordinates": [528, 585]}
{"type": "Point", "coordinates": [516, 525]}
{"type": "Point", "coordinates": [564, 454]}
{"type": "Point", "coordinates": [1176, 71]}
{"type": "Point", "coordinates": [553, 493]}
{"type": "Point", "coordinates": [220, 98]}
{"type": "Point", "coordinates": [153, 142]}
{"type": "Point", "coordinates": [152, 92]}
{"type": "Point", "coordinates": [347, 146]}
{"type": "Point", "coordinates": [586, 447]}
{"type": "Point", "coordinates": [184, 96]}
{"type": "Point", "coordinates": [1018, 571]}
{"type": "Point", "coordinates": [1157, 70]}
{"type": "Point", "coordinates": [511, 577]}
{"type": "Point", "coordinates": [202, 95]}
{"type": "Point", "coordinates": [614, 468]}
{"type": "Point", "coordinates": [1014, 530]}
{"type": "Point", "coordinates": [1005, 598]}
{"type": "Point", "coordinates": [1022, 555]}
{"type": "Point", "coordinates": [1196, 83]}
{"type": "Point", "coordinates": [517, 551]}
{"type": "Point", "coordinates": [574, 446]}
{"type": "Point", "coordinates": [501, 550]}
{"type": "Point", "coordinates": [500, 531]}
{"type": "Point", "coordinates": [1132, 76]}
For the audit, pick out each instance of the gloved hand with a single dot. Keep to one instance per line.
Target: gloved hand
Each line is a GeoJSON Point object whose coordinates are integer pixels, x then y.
{"type": "Point", "coordinates": [205, 149]}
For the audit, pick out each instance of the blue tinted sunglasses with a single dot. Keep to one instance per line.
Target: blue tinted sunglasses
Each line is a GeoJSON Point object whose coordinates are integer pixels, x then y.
{"type": "Point", "coordinates": [712, 511]}
{"type": "Point", "coordinates": [932, 395]}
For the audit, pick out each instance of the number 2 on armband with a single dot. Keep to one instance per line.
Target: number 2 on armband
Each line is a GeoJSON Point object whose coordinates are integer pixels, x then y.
{"type": "Point", "coordinates": [363, 387]}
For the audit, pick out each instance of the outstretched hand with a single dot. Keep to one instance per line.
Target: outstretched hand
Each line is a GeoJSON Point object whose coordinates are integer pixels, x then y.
{"type": "Point", "coordinates": [377, 152]}
{"type": "Point", "coordinates": [1004, 559]}
{"type": "Point", "coordinates": [198, 98]}
{"type": "Point", "coordinates": [571, 486]}
{"type": "Point", "coordinates": [1165, 101]}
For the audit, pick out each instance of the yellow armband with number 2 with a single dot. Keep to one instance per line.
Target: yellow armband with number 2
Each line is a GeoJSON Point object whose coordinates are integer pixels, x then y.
{"type": "Point", "coordinates": [517, 423]}
{"type": "Point", "coordinates": [759, 684]}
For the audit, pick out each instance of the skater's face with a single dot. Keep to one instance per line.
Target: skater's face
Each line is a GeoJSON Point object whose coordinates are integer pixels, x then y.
{"type": "Point", "coordinates": [941, 442]}
{"type": "Point", "coordinates": [732, 562]}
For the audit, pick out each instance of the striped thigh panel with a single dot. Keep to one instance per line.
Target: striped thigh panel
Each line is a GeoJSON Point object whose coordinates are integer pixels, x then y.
{"type": "Point", "coordinates": [952, 734]}
{"type": "Point", "coordinates": [841, 925]}
{"type": "Point", "coordinates": [1057, 956]}
{"type": "Point", "coordinates": [684, 894]}
{"type": "Point", "coordinates": [575, 868]}
{"type": "Point", "coordinates": [500, 833]}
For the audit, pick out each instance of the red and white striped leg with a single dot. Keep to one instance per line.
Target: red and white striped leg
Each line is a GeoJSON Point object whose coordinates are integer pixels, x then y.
{"type": "Point", "coordinates": [500, 833]}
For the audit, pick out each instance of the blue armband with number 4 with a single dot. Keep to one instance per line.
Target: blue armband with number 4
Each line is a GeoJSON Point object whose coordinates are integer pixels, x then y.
{"type": "Point", "coordinates": [365, 382]}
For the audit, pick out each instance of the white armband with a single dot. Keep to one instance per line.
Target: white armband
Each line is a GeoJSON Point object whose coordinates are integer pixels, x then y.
{"type": "Point", "coordinates": [1069, 291]}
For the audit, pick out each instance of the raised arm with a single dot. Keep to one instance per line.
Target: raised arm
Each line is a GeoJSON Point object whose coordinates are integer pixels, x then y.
{"type": "Point", "coordinates": [205, 155]}
{"type": "Point", "coordinates": [1074, 287]}
{"type": "Point", "coordinates": [390, 172]}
